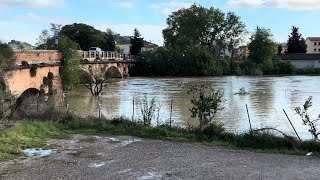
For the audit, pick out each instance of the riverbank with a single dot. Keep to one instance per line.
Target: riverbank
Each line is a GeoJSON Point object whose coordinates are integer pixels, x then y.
{"type": "Point", "coordinates": [34, 134]}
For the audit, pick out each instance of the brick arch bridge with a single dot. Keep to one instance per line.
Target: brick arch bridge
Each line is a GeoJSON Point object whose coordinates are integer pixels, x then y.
{"type": "Point", "coordinates": [19, 81]}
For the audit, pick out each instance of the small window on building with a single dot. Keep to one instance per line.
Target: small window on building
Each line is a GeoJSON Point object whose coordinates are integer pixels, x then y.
{"type": "Point", "coordinates": [319, 43]}
{"type": "Point", "coordinates": [318, 50]}
{"type": "Point", "coordinates": [315, 50]}
{"type": "Point", "coordinates": [315, 43]}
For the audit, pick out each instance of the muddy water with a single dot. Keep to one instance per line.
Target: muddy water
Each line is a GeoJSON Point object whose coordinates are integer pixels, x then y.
{"type": "Point", "coordinates": [266, 99]}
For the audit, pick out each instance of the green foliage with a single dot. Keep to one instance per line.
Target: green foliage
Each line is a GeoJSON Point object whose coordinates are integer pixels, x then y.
{"type": "Point", "coordinates": [33, 70]}
{"type": "Point", "coordinates": [48, 82]}
{"type": "Point", "coordinates": [6, 56]}
{"type": "Point", "coordinates": [25, 64]}
{"type": "Point", "coordinates": [208, 27]}
{"type": "Point", "coordinates": [147, 110]}
{"type": "Point", "coordinates": [192, 61]}
{"type": "Point", "coordinates": [206, 103]}
{"type": "Point", "coordinates": [282, 67]}
{"type": "Point", "coordinates": [87, 36]}
{"type": "Point", "coordinates": [262, 49]}
{"type": "Point", "coordinates": [70, 70]}
{"type": "Point", "coordinates": [119, 48]}
{"type": "Point", "coordinates": [308, 71]}
{"type": "Point", "coordinates": [50, 75]}
{"type": "Point", "coordinates": [136, 43]}
{"type": "Point", "coordinates": [296, 43]}
{"type": "Point", "coordinates": [26, 134]}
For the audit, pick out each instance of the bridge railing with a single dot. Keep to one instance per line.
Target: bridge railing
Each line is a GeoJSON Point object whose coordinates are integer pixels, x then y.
{"type": "Point", "coordinates": [105, 56]}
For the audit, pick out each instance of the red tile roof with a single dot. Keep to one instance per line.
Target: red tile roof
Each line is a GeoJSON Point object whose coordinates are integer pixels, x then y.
{"type": "Point", "coordinates": [314, 38]}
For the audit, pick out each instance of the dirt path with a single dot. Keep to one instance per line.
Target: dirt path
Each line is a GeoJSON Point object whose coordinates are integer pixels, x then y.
{"type": "Point", "coordinates": [85, 157]}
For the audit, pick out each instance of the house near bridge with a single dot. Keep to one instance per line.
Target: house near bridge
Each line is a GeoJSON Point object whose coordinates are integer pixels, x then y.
{"type": "Point", "coordinates": [125, 42]}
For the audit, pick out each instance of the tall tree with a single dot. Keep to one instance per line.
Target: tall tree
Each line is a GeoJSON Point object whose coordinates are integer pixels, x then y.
{"type": "Point", "coordinates": [70, 69]}
{"type": "Point", "coordinates": [55, 28]}
{"type": "Point", "coordinates": [209, 27]}
{"type": "Point", "coordinates": [234, 30]}
{"type": "Point", "coordinates": [262, 48]}
{"type": "Point", "coordinates": [6, 56]}
{"type": "Point", "coordinates": [136, 43]}
{"type": "Point", "coordinates": [296, 43]}
{"type": "Point", "coordinates": [42, 39]}
{"type": "Point", "coordinates": [87, 36]}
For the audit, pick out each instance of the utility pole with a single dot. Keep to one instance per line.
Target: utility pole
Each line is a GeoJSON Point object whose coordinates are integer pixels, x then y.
{"type": "Point", "coordinates": [56, 40]}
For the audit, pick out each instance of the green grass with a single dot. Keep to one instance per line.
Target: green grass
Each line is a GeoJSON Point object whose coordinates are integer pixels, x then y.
{"type": "Point", "coordinates": [33, 134]}
{"type": "Point", "coordinates": [27, 134]}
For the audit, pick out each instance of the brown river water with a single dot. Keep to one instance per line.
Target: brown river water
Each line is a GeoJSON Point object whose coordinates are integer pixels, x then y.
{"type": "Point", "coordinates": [266, 99]}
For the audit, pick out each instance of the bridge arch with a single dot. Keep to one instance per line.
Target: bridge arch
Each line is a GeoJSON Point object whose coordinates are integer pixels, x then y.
{"type": "Point", "coordinates": [113, 72]}
{"type": "Point", "coordinates": [30, 94]}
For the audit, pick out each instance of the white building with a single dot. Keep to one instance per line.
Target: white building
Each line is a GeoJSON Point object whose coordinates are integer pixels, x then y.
{"type": "Point", "coordinates": [302, 61]}
{"type": "Point", "coordinates": [313, 44]}
{"type": "Point", "coordinates": [124, 41]}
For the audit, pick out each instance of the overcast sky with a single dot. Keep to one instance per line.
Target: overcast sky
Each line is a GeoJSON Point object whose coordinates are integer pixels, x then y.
{"type": "Point", "coordinates": [24, 19]}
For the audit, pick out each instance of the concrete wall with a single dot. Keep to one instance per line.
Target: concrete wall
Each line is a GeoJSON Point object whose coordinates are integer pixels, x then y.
{"type": "Point", "coordinates": [302, 64]}
{"type": "Point", "coordinates": [17, 81]}
{"type": "Point", "coordinates": [37, 56]}
{"type": "Point", "coordinates": [313, 46]}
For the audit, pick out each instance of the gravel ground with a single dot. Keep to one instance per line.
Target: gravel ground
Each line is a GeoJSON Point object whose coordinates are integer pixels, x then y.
{"type": "Point", "coordinates": [128, 158]}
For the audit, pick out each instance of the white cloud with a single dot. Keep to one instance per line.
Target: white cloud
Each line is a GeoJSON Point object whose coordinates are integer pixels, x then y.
{"type": "Point", "coordinates": [36, 19]}
{"type": "Point", "coordinates": [169, 7]}
{"type": "Point", "coordinates": [281, 4]}
{"type": "Point", "coordinates": [31, 3]}
{"type": "Point", "coordinates": [124, 4]}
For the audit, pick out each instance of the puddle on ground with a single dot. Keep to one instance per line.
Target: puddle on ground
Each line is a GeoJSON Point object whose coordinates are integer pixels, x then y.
{"type": "Point", "coordinates": [129, 141]}
{"type": "Point", "coordinates": [38, 152]}
{"type": "Point", "coordinates": [151, 176]}
{"type": "Point", "coordinates": [124, 141]}
{"type": "Point", "coordinates": [97, 165]}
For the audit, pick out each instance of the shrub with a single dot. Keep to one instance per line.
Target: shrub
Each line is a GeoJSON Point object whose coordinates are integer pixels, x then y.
{"type": "Point", "coordinates": [33, 70]}
{"type": "Point", "coordinates": [213, 130]}
{"type": "Point", "coordinates": [25, 64]}
{"type": "Point", "coordinates": [148, 109]}
{"type": "Point", "coordinates": [50, 75]}
{"type": "Point", "coordinates": [206, 103]}
{"type": "Point", "coordinates": [282, 67]}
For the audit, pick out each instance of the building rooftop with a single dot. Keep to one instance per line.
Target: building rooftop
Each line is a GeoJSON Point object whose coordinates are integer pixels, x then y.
{"type": "Point", "coordinates": [314, 38]}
